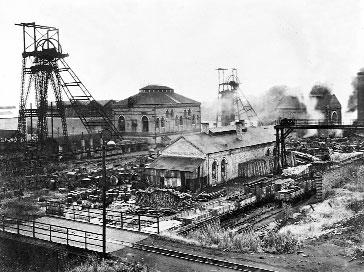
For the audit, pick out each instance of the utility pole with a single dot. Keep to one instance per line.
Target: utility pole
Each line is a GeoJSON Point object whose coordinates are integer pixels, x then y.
{"type": "Point", "coordinates": [103, 197]}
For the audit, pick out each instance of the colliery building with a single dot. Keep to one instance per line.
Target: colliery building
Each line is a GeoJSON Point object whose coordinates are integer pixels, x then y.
{"type": "Point", "coordinates": [157, 114]}
{"type": "Point", "coordinates": [214, 156]}
{"type": "Point", "coordinates": [291, 107]}
{"type": "Point", "coordinates": [327, 103]}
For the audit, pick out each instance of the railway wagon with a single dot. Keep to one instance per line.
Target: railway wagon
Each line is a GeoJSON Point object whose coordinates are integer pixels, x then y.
{"type": "Point", "coordinates": [289, 194]}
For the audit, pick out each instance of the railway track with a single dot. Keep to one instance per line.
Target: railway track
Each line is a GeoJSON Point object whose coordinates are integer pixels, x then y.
{"type": "Point", "coordinates": [245, 225]}
{"type": "Point", "coordinates": [197, 258]}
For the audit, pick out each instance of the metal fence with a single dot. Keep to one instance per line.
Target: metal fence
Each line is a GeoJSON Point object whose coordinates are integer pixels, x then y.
{"type": "Point", "coordinates": [125, 220]}
{"type": "Point", "coordinates": [53, 233]}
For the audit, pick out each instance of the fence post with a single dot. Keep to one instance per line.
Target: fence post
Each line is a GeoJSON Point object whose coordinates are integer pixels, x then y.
{"type": "Point", "coordinates": [74, 214]}
{"type": "Point", "coordinates": [121, 220]}
{"type": "Point", "coordinates": [158, 224]}
{"type": "Point", "coordinates": [88, 213]}
{"type": "Point", "coordinates": [139, 222]}
{"type": "Point", "coordinates": [67, 236]}
{"type": "Point", "coordinates": [17, 225]}
{"type": "Point", "coordinates": [3, 222]}
{"type": "Point", "coordinates": [85, 240]}
{"type": "Point", "coordinates": [50, 232]}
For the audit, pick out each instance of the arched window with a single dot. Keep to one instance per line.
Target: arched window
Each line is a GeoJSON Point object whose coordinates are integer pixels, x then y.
{"type": "Point", "coordinates": [145, 124]}
{"type": "Point", "coordinates": [334, 117]}
{"type": "Point", "coordinates": [214, 169]}
{"type": "Point", "coordinates": [121, 123]}
{"type": "Point", "coordinates": [157, 122]}
{"type": "Point", "coordinates": [176, 120]}
{"type": "Point", "coordinates": [223, 169]}
{"type": "Point", "coordinates": [162, 122]}
{"type": "Point", "coordinates": [193, 120]}
{"type": "Point", "coordinates": [181, 121]}
{"type": "Point", "coordinates": [268, 152]}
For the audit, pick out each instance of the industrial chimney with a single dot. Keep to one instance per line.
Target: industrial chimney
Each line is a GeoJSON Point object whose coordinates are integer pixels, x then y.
{"type": "Point", "coordinates": [360, 89]}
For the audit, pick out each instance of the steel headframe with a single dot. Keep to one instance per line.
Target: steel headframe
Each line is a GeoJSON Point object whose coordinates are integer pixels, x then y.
{"type": "Point", "coordinates": [43, 65]}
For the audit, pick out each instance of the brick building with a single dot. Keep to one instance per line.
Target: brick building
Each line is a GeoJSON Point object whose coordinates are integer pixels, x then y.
{"type": "Point", "coordinates": [156, 113]}
{"type": "Point", "coordinates": [214, 156]}
{"type": "Point", "coordinates": [327, 103]}
{"type": "Point", "coordinates": [290, 107]}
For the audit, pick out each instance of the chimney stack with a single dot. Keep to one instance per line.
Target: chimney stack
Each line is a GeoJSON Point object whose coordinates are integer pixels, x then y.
{"type": "Point", "coordinates": [205, 128]}
{"type": "Point", "coordinates": [240, 128]}
{"type": "Point", "coordinates": [360, 89]}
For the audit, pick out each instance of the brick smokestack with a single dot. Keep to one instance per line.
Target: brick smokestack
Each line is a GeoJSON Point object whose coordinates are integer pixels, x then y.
{"type": "Point", "coordinates": [360, 88]}
{"type": "Point", "coordinates": [205, 128]}
{"type": "Point", "coordinates": [240, 128]}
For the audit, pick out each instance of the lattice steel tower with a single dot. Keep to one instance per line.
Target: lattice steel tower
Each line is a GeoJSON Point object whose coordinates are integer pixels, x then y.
{"type": "Point", "coordinates": [44, 70]}
{"type": "Point", "coordinates": [233, 104]}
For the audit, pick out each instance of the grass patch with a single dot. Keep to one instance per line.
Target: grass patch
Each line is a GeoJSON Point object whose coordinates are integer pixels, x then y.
{"type": "Point", "coordinates": [94, 265]}
{"type": "Point", "coordinates": [215, 237]}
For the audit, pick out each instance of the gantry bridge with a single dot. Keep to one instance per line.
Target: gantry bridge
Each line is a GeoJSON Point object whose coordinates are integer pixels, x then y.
{"type": "Point", "coordinates": [285, 126]}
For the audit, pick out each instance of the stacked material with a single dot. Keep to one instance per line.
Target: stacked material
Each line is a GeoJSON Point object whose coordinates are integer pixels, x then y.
{"type": "Point", "coordinates": [162, 198]}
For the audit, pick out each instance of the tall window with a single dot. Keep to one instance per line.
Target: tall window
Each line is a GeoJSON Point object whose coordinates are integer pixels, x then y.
{"type": "Point", "coordinates": [223, 169]}
{"type": "Point", "coordinates": [189, 112]}
{"type": "Point", "coordinates": [185, 113]}
{"type": "Point", "coordinates": [162, 122]}
{"type": "Point", "coordinates": [181, 120]}
{"type": "Point", "coordinates": [193, 120]}
{"type": "Point", "coordinates": [334, 117]}
{"type": "Point", "coordinates": [145, 124]}
{"type": "Point", "coordinates": [157, 122]}
{"type": "Point", "coordinates": [167, 113]}
{"type": "Point", "coordinates": [214, 169]}
{"type": "Point", "coordinates": [176, 120]}
{"type": "Point", "coordinates": [121, 123]}
{"type": "Point", "coordinates": [172, 113]}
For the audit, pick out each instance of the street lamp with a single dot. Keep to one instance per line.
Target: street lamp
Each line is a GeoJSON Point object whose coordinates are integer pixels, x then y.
{"type": "Point", "coordinates": [104, 185]}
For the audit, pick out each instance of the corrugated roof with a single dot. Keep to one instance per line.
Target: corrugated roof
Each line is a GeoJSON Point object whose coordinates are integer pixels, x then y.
{"type": "Point", "coordinates": [176, 163]}
{"type": "Point", "coordinates": [221, 142]}
{"type": "Point", "coordinates": [155, 98]}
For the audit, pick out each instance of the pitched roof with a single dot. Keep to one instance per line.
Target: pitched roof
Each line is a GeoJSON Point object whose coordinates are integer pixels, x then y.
{"type": "Point", "coordinates": [334, 102]}
{"type": "Point", "coordinates": [221, 142]}
{"type": "Point", "coordinates": [176, 163]}
{"type": "Point", "coordinates": [155, 95]}
{"type": "Point", "coordinates": [290, 102]}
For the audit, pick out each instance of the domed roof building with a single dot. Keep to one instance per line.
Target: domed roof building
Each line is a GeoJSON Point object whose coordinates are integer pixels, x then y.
{"type": "Point", "coordinates": [156, 114]}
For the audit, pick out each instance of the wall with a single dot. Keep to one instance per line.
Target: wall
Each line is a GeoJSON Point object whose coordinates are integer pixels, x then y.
{"type": "Point", "coordinates": [152, 113]}
{"type": "Point", "coordinates": [233, 159]}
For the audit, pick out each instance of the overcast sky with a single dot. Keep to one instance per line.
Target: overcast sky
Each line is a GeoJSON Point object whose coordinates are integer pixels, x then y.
{"type": "Point", "coordinates": [118, 46]}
